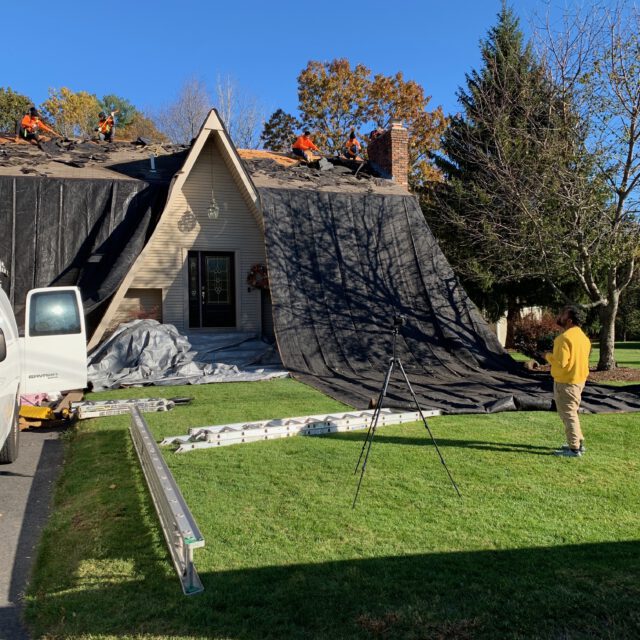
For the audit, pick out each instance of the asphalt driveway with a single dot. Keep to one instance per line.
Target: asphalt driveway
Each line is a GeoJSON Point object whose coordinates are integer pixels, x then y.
{"type": "Point", "coordinates": [26, 488]}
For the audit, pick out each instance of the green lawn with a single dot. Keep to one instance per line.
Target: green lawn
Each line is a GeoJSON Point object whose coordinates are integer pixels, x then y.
{"type": "Point", "coordinates": [538, 547]}
{"type": "Point", "coordinates": [627, 354]}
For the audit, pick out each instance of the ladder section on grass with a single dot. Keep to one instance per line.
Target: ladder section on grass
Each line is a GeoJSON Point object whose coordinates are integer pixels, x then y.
{"type": "Point", "coordinates": [100, 408]}
{"type": "Point", "coordinates": [180, 529]}
{"type": "Point", "coordinates": [242, 432]}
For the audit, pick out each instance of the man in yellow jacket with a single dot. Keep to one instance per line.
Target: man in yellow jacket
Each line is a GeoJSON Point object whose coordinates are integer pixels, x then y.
{"type": "Point", "coordinates": [570, 369]}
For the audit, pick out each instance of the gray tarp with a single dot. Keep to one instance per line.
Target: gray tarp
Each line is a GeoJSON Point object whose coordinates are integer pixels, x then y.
{"type": "Point", "coordinates": [145, 352]}
{"type": "Point", "coordinates": [341, 265]}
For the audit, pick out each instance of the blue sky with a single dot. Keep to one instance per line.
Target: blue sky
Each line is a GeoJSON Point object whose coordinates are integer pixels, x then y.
{"type": "Point", "coordinates": [144, 51]}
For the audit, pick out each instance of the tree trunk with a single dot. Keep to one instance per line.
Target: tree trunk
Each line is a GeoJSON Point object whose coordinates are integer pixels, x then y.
{"type": "Point", "coordinates": [608, 333]}
{"type": "Point", "coordinates": [513, 315]}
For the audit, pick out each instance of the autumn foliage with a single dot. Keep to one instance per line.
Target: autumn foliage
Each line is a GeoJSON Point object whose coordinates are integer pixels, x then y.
{"type": "Point", "coordinates": [335, 98]}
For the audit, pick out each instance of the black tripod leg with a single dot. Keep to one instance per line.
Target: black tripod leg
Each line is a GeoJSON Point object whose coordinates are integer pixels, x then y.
{"type": "Point", "coordinates": [372, 431]}
{"type": "Point", "coordinates": [376, 413]}
{"type": "Point", "coordinates": [426, 425]}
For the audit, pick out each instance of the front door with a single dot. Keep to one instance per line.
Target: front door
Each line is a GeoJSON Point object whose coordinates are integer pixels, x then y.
{"type": "Point", "coordinates": [212, 290]}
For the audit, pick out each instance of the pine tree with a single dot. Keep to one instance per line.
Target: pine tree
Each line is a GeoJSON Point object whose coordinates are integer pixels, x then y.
{"type": "Point", "coordinates": [503, 157]}
{"type": "Point", "coordinates": [279, 131]}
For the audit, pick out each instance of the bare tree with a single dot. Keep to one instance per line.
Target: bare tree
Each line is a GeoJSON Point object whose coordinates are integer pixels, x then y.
{"type": "Point", "coordinates": [241, 113]}
{"type": "Point", "coordinates": [594, 58]}
{"type": "Point", "coordinates": [181, 120]}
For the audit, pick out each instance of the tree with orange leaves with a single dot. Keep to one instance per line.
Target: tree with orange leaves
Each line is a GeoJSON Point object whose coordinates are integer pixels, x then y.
{"type": "Point", "coordinates": [335, 98]}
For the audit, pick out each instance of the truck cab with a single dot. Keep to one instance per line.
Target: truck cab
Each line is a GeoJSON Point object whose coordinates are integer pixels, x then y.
{"type": "Point", "coordinates": [51, 357]}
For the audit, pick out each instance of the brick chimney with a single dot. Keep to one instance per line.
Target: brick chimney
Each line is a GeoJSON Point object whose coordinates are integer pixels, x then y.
{"type": "Point", "coordinates": [389, 153]}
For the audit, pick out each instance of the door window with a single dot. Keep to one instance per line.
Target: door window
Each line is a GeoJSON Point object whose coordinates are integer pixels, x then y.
{"type": "Point", "coordinates": [218, 279]}
{"type": "Point", "coordinates": [54, 313]}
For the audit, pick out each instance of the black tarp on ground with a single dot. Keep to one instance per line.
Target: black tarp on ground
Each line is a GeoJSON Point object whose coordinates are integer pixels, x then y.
{"type": "Point", "coordinates": [341, 265]}
{"type": "Point", "coordinates": [71, 231]}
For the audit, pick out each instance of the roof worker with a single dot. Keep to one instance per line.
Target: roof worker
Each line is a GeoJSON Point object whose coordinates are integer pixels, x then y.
{"type": "Point", "coordinates": [30, 126]}
{"type": "Point", "coordinates": [352, 147]}
{"type": "Point", "coordinates": [303, 145]}
{"type": "Point", "coordinates": [106, 126]}
{"type": "Point", "coordinates": [570, 369]}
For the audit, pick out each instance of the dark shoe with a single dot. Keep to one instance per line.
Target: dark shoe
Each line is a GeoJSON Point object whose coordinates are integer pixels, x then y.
{"type": "Point", "coordinates": [568, 453]}
{"type": "Point", "coordinates": [582, 448]}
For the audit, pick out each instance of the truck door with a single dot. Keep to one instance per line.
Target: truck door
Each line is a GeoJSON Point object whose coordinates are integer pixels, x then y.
{"type": "Point", "coordinates": [55, 341]}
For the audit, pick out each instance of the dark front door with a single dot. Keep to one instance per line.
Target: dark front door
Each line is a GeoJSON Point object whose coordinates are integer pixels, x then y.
{"type": "Point", "coordinates": [212, 290]}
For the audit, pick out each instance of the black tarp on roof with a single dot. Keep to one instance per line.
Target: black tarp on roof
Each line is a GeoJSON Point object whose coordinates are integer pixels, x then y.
{"type": "Point", "coordinates": [70, 231]}
{"type": "Point", "coordinates": [341, 265]}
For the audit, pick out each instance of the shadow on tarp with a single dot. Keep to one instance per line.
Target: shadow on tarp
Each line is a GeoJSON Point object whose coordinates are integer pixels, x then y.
{"type": "Point", "coordinates": [343, 264]}
{"type": "Point", "coordinates": [574, 591]}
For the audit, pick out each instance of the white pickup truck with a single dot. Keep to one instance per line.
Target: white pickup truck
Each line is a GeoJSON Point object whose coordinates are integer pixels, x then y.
{"type": "Point", "coordinates": [52, 355]}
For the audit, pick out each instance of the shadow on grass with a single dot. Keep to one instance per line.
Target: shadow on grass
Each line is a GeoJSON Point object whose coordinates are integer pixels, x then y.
{"type": "Point", "coordinates": [583, 591]}
{"type": "Point", "coordinates": [482, 445]}
{"type": "Point", "coordinates": [577, 591]}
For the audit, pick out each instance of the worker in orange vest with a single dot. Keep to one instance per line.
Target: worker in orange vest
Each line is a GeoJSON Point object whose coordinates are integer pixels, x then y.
{"type": "Point", "coordinates": [352, 147]}
{"type": "Point", "coordinates": [30, 126]}
{"type": "Point", "coordinates": [106, 126]}
{"type": "Point", "coordinates": [303, 145]}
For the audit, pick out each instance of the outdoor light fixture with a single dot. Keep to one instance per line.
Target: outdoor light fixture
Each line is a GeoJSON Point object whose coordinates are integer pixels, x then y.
{"type": "Point", "coordinates": [213, 212]}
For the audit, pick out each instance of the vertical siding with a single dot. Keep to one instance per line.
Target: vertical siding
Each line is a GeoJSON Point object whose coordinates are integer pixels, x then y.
{"type": "Point", "coordinates": [184, 226]}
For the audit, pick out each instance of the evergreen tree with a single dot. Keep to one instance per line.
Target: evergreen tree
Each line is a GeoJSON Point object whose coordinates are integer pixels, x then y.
{"type": "Point", "coordinates": [279, 131]}
{"type": "Point", "coordinates": [126, 111]}
{"type": "Point", "coordinates": [504, 159]}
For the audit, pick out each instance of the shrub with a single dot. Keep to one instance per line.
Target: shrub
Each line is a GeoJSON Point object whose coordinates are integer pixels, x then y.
{"type": "Point", "coordinates": [533, 335]}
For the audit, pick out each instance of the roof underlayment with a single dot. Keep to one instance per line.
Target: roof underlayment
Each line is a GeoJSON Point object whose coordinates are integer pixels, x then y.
{"type": "Point", "coordinates": [342, 265]}
{"type": "Point", "coordinates": [79, 213]}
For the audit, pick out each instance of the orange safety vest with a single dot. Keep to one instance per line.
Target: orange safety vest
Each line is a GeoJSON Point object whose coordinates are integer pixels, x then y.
{"type": "Point", "coordinates": [104, 126]}
{"type": "Point", "coordinates": [304, 143]}
{"type": "Point", "coordinates": [33, 124]}
{"type": "Point", "coordinates": [30, 124]}
{"type": "Point", "coordinates": [351, 142]}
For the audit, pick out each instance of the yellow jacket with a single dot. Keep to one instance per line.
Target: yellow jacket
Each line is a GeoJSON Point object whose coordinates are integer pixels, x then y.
{"type": "Point", "coordinates": [570, 358]}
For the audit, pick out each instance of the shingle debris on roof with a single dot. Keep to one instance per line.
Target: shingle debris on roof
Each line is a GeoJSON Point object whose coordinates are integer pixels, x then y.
{"type": "Point", "coordinates": [277, 170]}
{"type": "Point", "coordinates": [58, 158]}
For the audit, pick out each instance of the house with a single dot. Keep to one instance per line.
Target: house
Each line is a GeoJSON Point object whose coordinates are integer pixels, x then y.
{"type": "Point", "coordinates": [177, 234]}
{"type": "Point", "coordinates": [193, 269]}
{"type": "Point", "coordinates": [156, 231]}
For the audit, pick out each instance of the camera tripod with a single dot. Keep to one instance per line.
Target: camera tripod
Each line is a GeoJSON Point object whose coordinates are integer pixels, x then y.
{"type": "Point", "coordinates": [394, 362]}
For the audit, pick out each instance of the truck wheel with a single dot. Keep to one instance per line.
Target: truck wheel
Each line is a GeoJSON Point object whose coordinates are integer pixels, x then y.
{"type": "Point", "coordinates": [9, 452]}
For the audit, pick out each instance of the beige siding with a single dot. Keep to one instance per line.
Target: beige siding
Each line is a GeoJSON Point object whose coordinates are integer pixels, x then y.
{"type": "Point", "coordinates": [184, 226]}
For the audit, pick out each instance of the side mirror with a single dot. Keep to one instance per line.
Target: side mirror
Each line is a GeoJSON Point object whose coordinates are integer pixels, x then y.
{"type": "Point", "coordinates": [3, 346]}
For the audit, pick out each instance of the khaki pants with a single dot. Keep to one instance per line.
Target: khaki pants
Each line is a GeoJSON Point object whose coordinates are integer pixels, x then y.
{"type": "Point", "coordinates": [567, 397]}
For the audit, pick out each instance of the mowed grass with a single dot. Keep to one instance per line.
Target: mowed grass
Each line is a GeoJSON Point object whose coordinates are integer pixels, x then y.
{"type": "Point", "coordinates": [537, 547]}
{"type": "Point", "coordinates": [627, 354]}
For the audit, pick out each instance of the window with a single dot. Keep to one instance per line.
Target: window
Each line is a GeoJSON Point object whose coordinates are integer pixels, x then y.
{"type": "Point", "coordinates": [54, 313]}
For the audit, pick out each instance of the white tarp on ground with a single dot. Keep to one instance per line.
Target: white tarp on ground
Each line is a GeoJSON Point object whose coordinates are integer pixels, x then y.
{"type": "Point", "coordinates": [144, 352]}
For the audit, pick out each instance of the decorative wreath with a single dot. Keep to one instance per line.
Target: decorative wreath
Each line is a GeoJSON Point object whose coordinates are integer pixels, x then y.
{"type": "Point", "coordinates": [258, 277]}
